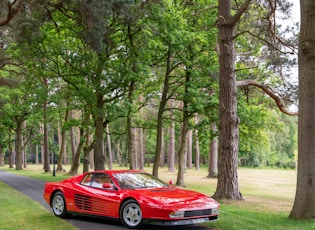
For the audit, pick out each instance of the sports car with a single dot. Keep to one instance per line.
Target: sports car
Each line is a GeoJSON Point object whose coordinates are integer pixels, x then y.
{"type": "Point", "coordinates": [134, 197]}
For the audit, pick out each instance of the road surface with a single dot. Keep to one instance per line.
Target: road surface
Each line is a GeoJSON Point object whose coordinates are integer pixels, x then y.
{"type": "Point", "coordinates": [34, 189]}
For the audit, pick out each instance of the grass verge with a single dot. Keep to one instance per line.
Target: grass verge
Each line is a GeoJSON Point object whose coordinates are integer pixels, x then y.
{"type": "Point", "coordinates": [268, 194]}
{"type": "Point", "coordinates": [17, 211]}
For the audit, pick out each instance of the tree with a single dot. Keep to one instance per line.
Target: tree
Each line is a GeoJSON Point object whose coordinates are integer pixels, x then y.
{"type": "Point", "coordinates": [227, 186]}
{"type": "Point", "coordinates": [228, 23]}
{"type": "Point", "coordinates": [304, 202]}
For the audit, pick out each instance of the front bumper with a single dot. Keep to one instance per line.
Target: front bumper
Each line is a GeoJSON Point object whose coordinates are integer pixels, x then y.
{"type": "Point", "coordinates": [180, 222]}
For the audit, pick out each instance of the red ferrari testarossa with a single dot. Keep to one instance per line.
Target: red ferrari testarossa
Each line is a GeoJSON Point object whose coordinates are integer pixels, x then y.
{"type": "Point", "coordinates": [133, 197]}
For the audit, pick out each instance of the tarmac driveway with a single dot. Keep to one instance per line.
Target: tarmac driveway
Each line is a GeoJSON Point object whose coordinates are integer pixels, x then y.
{"type": "Point", "coordinates": [34, 189]}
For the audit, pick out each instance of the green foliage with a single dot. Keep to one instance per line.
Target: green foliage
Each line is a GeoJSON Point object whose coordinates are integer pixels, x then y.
{"type": "Point", "coordinates": [92, 48]}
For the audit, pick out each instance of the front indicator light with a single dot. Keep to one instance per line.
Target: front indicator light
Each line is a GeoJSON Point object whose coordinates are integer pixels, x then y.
{"type": "Point", "coordinates": [176, 214]}
{"type": "Point", "coordinates": [215, 211]}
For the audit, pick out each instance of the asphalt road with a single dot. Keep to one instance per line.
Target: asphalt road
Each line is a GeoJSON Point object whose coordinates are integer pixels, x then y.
{"type": "Point", "coordinates": [34, 189]}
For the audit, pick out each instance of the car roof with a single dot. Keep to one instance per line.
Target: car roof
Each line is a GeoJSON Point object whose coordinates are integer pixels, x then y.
{"type": "Point", "coordinates": [113, 171]}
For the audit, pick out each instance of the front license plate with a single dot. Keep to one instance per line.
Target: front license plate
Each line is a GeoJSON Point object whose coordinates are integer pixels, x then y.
{"type": "Point", "coordinates": [200, 220]}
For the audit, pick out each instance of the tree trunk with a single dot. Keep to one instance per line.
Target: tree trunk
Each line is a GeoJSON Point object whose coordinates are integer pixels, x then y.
{"type": "Point", "coordinates": [162, 156]}
{"type": "Point", "coordinates": [197, 155]}
{"type": "Point", "coordinates": [141, 149]}
{"type": "Point", "coordinates": [182, 150]}
{"type": "Point", "coordinates": [171, 148]}
{"type": "Point", "coordinates": [304, 204]}
{"type": "Point", "coordinates": [109, 147]}
{"type": "Point", "coordinates": [45, 130]}
{"type": "Point", "coordinates": [183, 143]}
{"type": "Point", "coordinates": [99, 158]}
{"type": "Point", "coordinates": [189, 149]}
{"type": "Point", "coordinates": [76, 161]}
{"type": "Point", "coordinates": [62, 144]}
{"type": "Point", "coordinates": [86, 151]}
{"type": "Point", "coordinates": [213, 154]}
{"type": "Point", "coordinates": [72, 139]}
{"type": "Point", "coordinates": [36, 155]}
{"type": "Point", "coordinates": [227, 186]}
{"type": "Point", "coordinates": [136, 147]}
{"type": "Point", "coordinates": [18, 148]}
{"type": "Point", "coordinates": [162, 105]}
{"type": "Point", "coordinates": [130, 130]}
{"type": "Point", "coordinates": [23, 125]}
{"type": "Point", "coordinates": [11, 154]}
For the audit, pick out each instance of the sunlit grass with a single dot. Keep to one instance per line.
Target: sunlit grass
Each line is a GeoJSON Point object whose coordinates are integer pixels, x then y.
{"type": "Point", "coordinates": [17, 211]}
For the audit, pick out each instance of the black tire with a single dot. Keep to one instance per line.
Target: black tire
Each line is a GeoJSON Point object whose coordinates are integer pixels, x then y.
{"type": "Point", "coordinates": [58, 205]}
{"type": "Point", "coordinates": [131, 214]}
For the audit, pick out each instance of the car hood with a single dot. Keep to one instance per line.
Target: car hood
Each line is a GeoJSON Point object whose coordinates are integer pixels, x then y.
{"type": "Point", "coordinates": [175, 197]}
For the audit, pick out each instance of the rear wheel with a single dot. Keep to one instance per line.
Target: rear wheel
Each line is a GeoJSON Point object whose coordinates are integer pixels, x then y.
{"type": "Point", "coordinates": [131, 214]}
{"type": "Point", "coordinates": [58, 205]}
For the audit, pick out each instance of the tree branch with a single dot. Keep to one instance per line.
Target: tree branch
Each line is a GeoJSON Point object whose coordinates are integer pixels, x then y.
{"type": "Point", "coordinates": [269, 92]}
{"type": "Point", "coordinates": [14, 8]}
{"type": "Point", "coordinates": [235, 19]}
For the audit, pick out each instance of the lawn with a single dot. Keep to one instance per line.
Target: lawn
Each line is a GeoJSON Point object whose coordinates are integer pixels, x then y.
{"type": "Point", "coordinates": [268, 196]}
{"type": "Point", "coordinates": [17, 211]}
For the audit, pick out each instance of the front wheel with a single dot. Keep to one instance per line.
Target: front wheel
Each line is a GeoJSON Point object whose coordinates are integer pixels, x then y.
{"type": "Point", "coordinates": [131, 214]}
{"type": "Point", "coordinates": [58, 205]}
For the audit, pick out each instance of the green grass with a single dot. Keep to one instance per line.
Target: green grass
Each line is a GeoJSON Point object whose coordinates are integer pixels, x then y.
{"type": "Point", "coordinates": [268, 194]}
{"type": "Point", "coordinates": [17, 211]}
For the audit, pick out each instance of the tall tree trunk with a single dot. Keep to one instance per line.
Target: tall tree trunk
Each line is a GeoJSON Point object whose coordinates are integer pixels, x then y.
{"type": "Point", "coordinates": [23, 125]}
{"type": "Point", "coordinates": [76, 161]}
{"type": "Point", "coordinates": [36, 155]}
{"type": "Point", "coordinates": [182, 151]}
{"type": "Point", "coordinates": [72, 139]}
{"type": "Point", "coordinates": [99, 158]}
{"type": "Point", "coordinates": [136, 147]}
{"type": "Point", "coordinates": [62, 143]}
{"type": "Point", "coordinates": [87, 150]}
{"type": "Point", "coordinates": [197, 155]}
{"type": "Point", "coordinates": [140, 137]}
{"type": "Point", "coordinates": [130, 130]}
{"type": "Point", "coordinates": [141, 148]}
{"type": "Point", "coordinates": [189, 150]}
{"type": "Point", "coordinates": [11, 154]}
{"type": "Point", "coordinates": [162, 156]}
{"type": "Point", "coordinates": [171, 147]}
{"type": "Point", "coordinates": [45, 130]}
{"type": "Point", "coordinates": [18, 147]}
{"type": "Point", "coordinates": [109, 147]}
{"type": "Point", "coordinates": [183, 142]}
{"type": "Point", "coordinates": [227, 186]}
{"type": "Point", "coordinates": [158, 146]}
{"type": "Point", "coordinates": [304, 203]}
{"type": "Point", "coordinates": [213, 154]}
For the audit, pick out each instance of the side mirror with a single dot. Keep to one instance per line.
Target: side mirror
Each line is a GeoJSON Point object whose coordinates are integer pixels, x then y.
{"type": "Point", "coordinates": [171, 183]}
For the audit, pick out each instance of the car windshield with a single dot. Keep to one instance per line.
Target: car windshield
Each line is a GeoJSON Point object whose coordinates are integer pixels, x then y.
{"type": "Point", "coordinates": [138, 180]}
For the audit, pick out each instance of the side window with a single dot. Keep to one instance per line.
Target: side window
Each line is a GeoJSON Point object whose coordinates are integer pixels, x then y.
{"type": "Point", "coordinates": [87, 179]}
{"type": "Point", "coordinates": [100, 179]}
